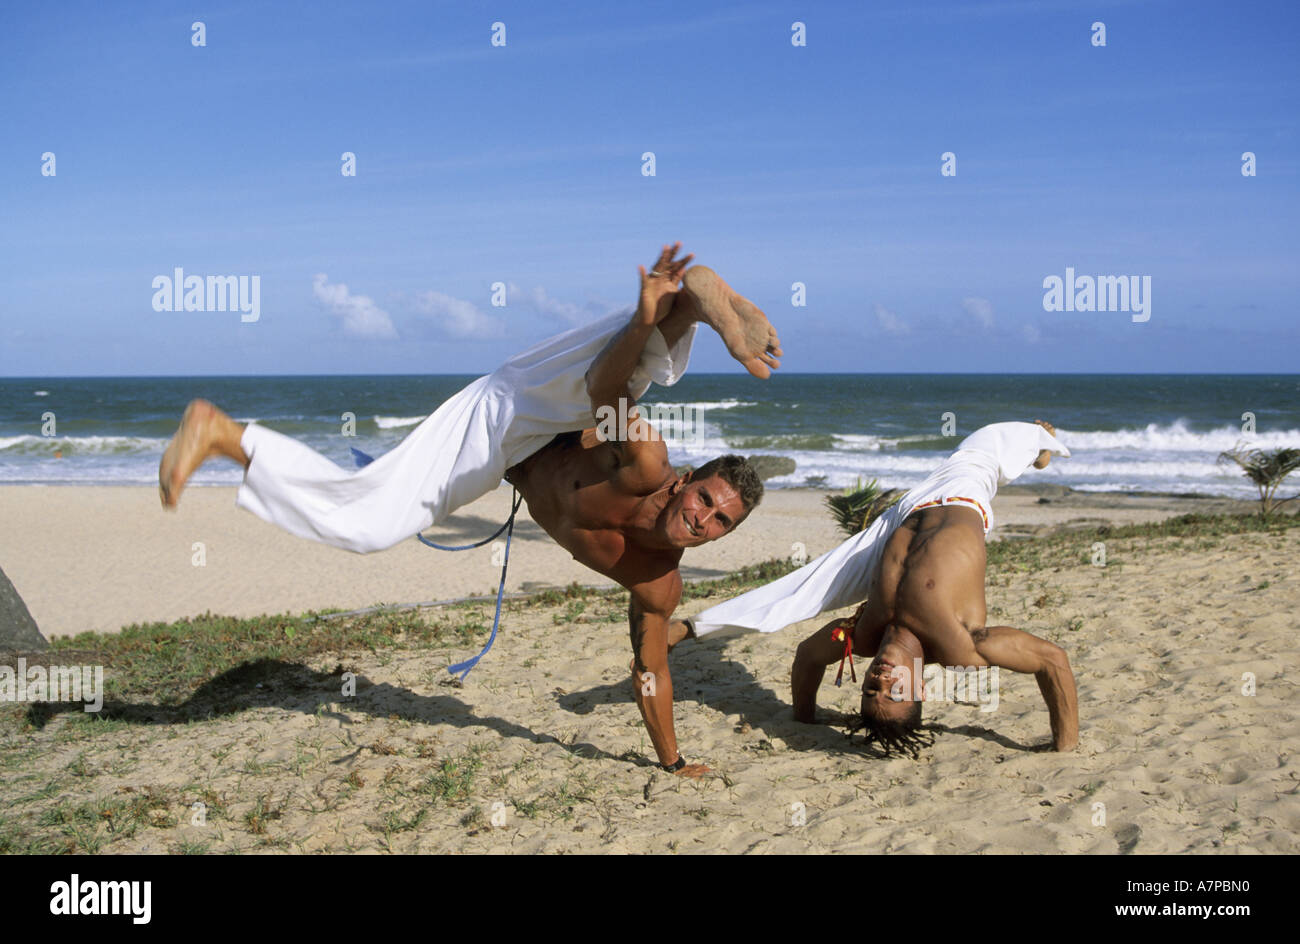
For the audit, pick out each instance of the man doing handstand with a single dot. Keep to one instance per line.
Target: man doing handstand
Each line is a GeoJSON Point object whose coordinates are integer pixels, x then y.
{"type": "Point", "coordinates": [920, 566]}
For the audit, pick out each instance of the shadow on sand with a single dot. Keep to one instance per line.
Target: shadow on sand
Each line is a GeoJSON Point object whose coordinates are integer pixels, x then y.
{"type": "Point", "coordinates": [702, 673]}
{"type": "Point", "coordinates": [295, 687]}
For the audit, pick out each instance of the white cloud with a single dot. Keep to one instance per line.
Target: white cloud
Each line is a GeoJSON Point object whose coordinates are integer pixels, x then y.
{"type": "Point", "coordinates": [361, 317]}
{"type": "Point", "coordinates": [889, 321]}
{"type": "Point", "coordinates": [1031, 333]}
{"type": "Point", "coordinates": [544, 304]}
{"type": "Point", "coordinates": [981, 309]}
{"type": "Point", "coordinates": [566, 313]}
{"type": "Point", "coordinates": [459, 318]}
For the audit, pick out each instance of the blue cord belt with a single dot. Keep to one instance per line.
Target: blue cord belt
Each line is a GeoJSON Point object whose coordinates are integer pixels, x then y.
{"type": "Point", "coordinates": [463, 668]}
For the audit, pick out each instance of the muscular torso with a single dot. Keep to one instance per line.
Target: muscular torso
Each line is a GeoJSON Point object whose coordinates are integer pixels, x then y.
{"type": "Point", "coordinates": [931, 581]}
{"type": "Point", "coordinates": [573, 492]}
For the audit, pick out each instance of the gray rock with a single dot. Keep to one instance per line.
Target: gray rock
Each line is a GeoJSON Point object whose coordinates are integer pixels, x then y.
{"type": "Point", "coordinates": [769, 467]}
{"type": "Point", "coordinates": [18, 632]}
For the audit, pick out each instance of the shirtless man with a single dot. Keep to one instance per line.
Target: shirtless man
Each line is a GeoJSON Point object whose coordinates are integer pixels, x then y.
{"type": "Point", "coordinates": [614, 502]}
{"type": "Point", "coordinates": [921, 568]}
{"type": "Point", "coordinates": [926, 602]}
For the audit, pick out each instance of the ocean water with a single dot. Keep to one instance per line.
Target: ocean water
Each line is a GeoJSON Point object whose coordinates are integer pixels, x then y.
{"type": "Point", "coordinates": [1127, 432]}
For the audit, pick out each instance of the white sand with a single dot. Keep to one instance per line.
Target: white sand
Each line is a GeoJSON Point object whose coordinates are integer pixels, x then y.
{"type": "Point", "coordinates": [88, 558]}
{"type": "Point", "coordinates": [1173, 756]}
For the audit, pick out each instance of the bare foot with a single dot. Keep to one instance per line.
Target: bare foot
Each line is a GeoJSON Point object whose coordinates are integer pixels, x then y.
{"type": "Point", "coordinates": [745, 330]}
{"type": "Point", "coordinates": [192, 444]}
{"type": "Point", "coordinates": [678, 630]}
{"type": "Point", "coordinates": [1044, 457]}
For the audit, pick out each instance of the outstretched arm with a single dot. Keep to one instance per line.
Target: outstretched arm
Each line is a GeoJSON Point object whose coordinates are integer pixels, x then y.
{"type": "Point", "coordinates": [1019, 651]}
{"type": "Point", "coordinates": [652, 684]}
{"type": "Point", "coordinates": [642, 456]}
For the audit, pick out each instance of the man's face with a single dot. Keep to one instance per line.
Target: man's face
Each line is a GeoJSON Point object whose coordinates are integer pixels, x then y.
{"type": "Point", "coordinates": [701, 511]}
{"type": "Point", "coordinates": [890, 684]}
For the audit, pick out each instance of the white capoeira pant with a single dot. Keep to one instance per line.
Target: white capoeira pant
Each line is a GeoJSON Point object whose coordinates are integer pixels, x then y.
{"type": "Point", "coordinates": [457, 454]}
{"type": "Point", "coordinates": [989, 457]}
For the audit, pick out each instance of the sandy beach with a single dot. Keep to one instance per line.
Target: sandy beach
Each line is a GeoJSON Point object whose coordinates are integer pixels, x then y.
{"type": "Point", "coordinates": [543, 751]}
{"type": "Point", "coordinates": [87, 558]}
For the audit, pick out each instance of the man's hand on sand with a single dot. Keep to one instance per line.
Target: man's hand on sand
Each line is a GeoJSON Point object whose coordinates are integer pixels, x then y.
{"type": "Point", "coordinates": [693, 772]}
{"type": "Point", "coordinates": [659, 285]}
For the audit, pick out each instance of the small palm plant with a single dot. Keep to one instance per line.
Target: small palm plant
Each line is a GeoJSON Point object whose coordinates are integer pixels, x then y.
{"type": "Point", "coordinates": [1266, 469]}
{"type": "Point", "coordinates": [860, 504]}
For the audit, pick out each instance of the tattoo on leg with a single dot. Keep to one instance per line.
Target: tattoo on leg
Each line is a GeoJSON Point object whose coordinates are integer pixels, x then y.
{"type": "Point", "coordinates": [636, 631]}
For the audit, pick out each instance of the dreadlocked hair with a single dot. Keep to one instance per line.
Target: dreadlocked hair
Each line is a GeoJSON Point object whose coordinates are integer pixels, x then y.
{"type": "Point", "coordinates": [885, 737]}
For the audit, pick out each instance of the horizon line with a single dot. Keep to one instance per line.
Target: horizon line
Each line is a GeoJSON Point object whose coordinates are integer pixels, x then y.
{"type": "Point", "coordinates": [699, 373]}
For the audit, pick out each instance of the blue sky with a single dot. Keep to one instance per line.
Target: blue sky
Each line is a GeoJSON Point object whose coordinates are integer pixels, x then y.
{"type": "Point", "coordinates": [521, 164]}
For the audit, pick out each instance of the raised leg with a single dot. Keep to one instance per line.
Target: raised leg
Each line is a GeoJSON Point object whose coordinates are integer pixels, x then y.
{"type": "Point", "coordinates": [205, 431]}
{"type": "Point", "coordinates": [743, 327]}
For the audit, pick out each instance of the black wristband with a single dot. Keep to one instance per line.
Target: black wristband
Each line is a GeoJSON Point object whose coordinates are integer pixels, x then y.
{"type": "Point", "coordinates": [675, 765]}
